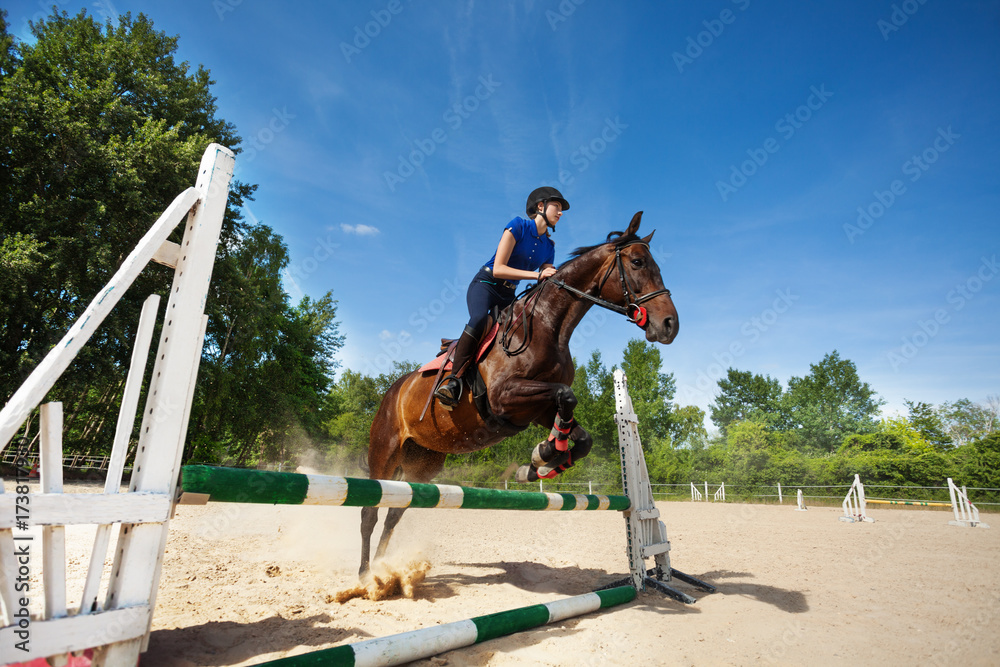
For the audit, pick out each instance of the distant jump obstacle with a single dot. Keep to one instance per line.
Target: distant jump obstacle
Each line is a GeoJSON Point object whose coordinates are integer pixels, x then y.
{"type": "Point", "coordinates": [801, 502]}
{"type": "Point", "coordinates": [117, 625]}
{"type": "Point", "coordinates": [855, 505]}
{"type": "Point", "coordinates": [966, 514]}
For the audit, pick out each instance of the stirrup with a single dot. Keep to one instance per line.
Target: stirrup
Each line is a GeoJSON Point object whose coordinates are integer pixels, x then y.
{"type": "Point", "coordinates": [444, 392]}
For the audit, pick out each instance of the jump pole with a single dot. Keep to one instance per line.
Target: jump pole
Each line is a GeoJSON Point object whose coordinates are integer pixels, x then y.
{"type": "Point", "coordinates": [424, 643]}
{"type": "Point", "coordinates": [202, 484]}
{"type": "Point", "coordinates": [907, 502]}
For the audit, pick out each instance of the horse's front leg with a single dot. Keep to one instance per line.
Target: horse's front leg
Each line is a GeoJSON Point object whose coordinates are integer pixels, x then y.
{"type": "Point", "coordinates": [553, 455]}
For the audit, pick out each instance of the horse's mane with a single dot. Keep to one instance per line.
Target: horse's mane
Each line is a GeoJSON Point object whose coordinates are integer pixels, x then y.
{"type": "Point", "coordinates": [618, 238]}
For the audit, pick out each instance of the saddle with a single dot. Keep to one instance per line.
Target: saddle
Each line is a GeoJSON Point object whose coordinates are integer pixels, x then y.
{"type": "Point", "coordinates": [443, 360]}
{"type": "Point", "coordinates": [442, 363]}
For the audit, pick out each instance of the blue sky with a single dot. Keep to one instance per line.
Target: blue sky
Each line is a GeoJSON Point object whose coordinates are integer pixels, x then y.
{"type": "Point", "coordinates": [821, 176]}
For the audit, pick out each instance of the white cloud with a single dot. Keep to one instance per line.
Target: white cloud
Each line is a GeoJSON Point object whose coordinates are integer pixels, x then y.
{"type": "Point", "coordinates": [386, 335]}
{"type": "Point", "coordinates": [360, 230]}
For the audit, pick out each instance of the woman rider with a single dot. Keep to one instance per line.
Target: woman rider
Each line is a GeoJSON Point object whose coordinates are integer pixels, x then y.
{"type": "Point", "coordinates": [525, 252]}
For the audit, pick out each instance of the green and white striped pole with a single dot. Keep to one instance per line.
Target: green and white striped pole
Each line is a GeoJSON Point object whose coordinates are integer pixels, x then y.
{"type": "Point", "coordinates": [419, 644]}
{"type": "Point", "coordinates": [234, 485]}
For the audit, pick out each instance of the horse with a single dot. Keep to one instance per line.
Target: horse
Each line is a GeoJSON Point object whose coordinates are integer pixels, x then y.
{"type": "Point", "coordinates": [527, 376]}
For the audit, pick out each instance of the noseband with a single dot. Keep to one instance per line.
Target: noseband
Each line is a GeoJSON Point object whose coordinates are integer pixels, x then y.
{"type": "Point", "coordinates": [633, 310]}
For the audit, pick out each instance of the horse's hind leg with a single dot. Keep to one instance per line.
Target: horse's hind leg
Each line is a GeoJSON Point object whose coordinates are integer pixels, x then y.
{"type": "Point", "coordinates": [369, 517]}
{"type": "Point", "coordinates": [419, 465]}
{"type": "Point", "coordinates": [384, 462]}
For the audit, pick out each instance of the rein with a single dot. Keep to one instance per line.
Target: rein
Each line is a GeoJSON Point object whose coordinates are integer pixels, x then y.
{"type": "Point", "coordinates": [633, 311]}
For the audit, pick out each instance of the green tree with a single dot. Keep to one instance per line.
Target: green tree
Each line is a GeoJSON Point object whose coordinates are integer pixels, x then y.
{"type": "Point", "coordinates": [650, 389]}
{"type": "Point", "coordinates": [895, 453]}
{"type": "Point", "coordinates": [830, 402]}
{"type": "Point", "coordinates": [744, 395]}
{"type": "Point", "coordinates": [101, 128]}
{"type": "Point", "coordinates": [978, 464]}
{"type": "Point", "coordinates": [593, 386]}
{"type": "Point", "coordinates": [966, 422]}
{"type": "Point", "coordinates": [750, 448]}
{"type": "Point", "coordinates": [928, 422]}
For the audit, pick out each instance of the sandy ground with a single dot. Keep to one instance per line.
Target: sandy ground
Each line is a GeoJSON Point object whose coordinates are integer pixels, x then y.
{"type": "Point", "coordinates": [248, 583]}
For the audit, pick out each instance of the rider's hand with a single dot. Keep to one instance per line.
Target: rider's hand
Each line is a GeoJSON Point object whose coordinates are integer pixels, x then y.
{"type": "Point", "coordinates": [547, 272]}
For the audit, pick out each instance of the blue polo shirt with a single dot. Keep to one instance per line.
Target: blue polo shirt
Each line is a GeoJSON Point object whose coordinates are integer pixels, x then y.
{"type": "Point", "coordinates": [530, 250]}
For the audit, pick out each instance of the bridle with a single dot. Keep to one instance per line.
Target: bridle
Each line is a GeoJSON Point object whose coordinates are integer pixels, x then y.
{"type": "Point", "coordinates": [633, 310]}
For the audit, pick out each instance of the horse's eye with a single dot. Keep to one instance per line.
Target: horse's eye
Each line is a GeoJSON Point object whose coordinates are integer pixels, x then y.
{"type": "Point", "coordinates": [637, 262]}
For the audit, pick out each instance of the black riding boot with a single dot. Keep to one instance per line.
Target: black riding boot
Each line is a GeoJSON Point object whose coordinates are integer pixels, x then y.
{"type": "Point", "coordinates": [451, 387]}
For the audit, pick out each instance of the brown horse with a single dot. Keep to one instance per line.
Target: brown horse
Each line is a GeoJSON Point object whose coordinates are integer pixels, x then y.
{"type": "Point", "coordinates": [528, 375]}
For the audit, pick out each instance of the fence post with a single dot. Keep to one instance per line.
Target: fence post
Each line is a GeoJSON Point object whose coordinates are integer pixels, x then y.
{"type": "Point", "coordinates": [780, 501]}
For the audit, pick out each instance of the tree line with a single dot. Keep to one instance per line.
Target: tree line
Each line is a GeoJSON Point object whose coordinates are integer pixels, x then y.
{"type": "Point", "coordinates": [102, 128]}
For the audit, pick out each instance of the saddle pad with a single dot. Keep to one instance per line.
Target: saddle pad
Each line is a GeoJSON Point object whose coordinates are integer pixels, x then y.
{"type": "Point", "coordinates": [483, 347]}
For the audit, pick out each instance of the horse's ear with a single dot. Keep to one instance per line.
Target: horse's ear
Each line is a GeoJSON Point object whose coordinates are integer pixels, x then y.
{"type": "Point", "coordinates": [633, 226]}
{"type": "Point", "coordinates": [649, 238]}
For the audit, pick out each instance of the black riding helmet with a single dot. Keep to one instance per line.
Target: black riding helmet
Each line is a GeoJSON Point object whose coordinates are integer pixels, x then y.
{"type": "Point", "coordinates": [543, 194]}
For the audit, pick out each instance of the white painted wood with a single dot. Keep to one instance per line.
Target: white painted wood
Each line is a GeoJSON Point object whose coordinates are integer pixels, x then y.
{"type": "Point", "coordinates": [646, 536]}
{"type": "Point", "coordinates": [70, 509]}
{"type": "Point", "coordinates": [324, 490]}
{"type": "Point", "coordinates": [34, 388]}
{"type": "Point", "coordinates": [179, 455]}
{"type": "Point", "coordinates": [123, 433]}
{"type": "Point", "coordinates": [167, 254]}
{"type": "Point", "coordinates": [8, 563]}
{"type": "Point", "coordinates": [560, 610]}
{"type": "Point", "coordinates": [135, 576]}
{"type": "Point", "coordinates": [75, 633]}
{"type": "Point", "coordinates": [655, 549]}
{"type": "Point", "coordinates": [53, 537]}
{"type": "Point", "coordinates": [395, 494]}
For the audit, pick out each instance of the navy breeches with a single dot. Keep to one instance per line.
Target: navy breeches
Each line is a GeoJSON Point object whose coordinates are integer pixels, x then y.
{"type": "Point", "coordinates": [485, 293]}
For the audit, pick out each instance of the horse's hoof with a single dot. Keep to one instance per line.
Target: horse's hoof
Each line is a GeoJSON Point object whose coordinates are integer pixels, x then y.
{"type": "Point", "coordinates": [525, 474]}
